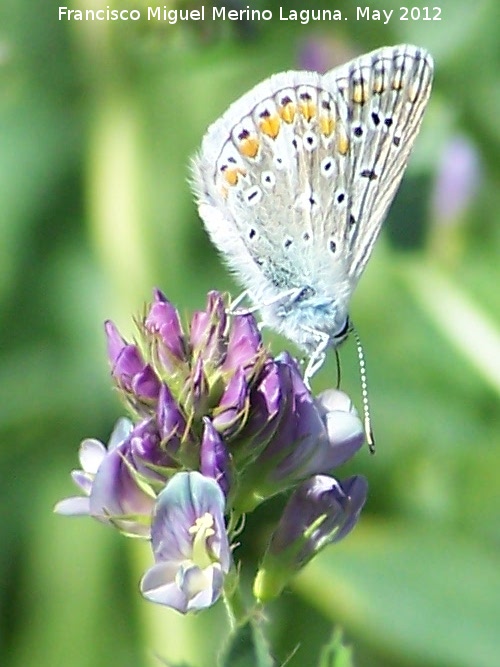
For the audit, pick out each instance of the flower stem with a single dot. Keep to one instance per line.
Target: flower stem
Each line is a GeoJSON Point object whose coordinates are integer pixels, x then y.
{"type": "Point", "coordinates": [236, 610]}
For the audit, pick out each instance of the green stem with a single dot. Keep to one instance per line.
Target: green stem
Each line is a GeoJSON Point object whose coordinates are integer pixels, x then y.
{"type": "Point", "coordinates": [237, 612]}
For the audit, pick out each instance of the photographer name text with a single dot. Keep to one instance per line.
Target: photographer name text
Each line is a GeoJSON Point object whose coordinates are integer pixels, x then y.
{"type": "Point", "coordinates": [304, 16]}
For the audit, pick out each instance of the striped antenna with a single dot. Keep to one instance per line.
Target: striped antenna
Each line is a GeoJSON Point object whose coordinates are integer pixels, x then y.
{"type": "Point", "coordinates": [364, 392]}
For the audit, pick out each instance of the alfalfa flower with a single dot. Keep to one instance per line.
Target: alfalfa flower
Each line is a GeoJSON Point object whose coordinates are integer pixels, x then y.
{"type": "Point", "coordinates": [319, 512]}
{"type": "Point", "coordinates": [216, 426]}
{"type": "Point", "coordinates": [190, 544]}
{"type": "Point", "coordinates": [118, 481]}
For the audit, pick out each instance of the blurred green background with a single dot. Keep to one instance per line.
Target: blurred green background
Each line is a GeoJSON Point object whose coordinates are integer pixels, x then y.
{"type": "Point", "coordinates": [98, 121]}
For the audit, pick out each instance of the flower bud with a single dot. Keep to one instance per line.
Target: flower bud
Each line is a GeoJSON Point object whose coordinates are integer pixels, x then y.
{"type": "Point", "coordinates": [214, 457]}
{"type": "Point", "coordinates": [319, 512]}
{"type": "Point", "coordinates": [163, 319]}
{"type": "Point", "coordinates": [131, 373]}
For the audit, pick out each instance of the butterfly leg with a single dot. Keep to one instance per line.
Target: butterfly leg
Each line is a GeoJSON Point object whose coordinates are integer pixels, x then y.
{"type": "Point", "coordinates": [317, 357]}
{"type": "Point", "coordinates": [234, 304]}
{"type": "Point", "coordinates": [290, 294]}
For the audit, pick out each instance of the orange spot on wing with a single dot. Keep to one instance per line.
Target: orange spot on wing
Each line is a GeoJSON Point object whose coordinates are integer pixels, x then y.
{"type": "Point", "coordinates": [307, 109]}
{"type": "Point", "coordinates": [342, 142]}
{"type": "Point", "coordinates": [287, 112]}
{"type": "Point", "coordinates": [271, 126]}
{"type": "Point", "coordinates": [359, 94]}
{"type": "Point", "coordinates": [232, 176]}
{"type": "Point", "coordinates": [326, 125]}
{"type": "Point", "coordinates": [249, 147]}
{"type": "Point", "coordinates": [378, 84]}
{"type": "Point", "coordinates": [397, 82]}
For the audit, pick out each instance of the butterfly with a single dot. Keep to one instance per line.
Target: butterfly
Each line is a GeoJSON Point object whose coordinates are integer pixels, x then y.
{"type": "Point", "coordinates": [294, 181]}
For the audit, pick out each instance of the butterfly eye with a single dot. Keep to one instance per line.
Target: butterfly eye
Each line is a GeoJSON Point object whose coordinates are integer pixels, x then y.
{"type": "Point", "coordinates": [344, 331]}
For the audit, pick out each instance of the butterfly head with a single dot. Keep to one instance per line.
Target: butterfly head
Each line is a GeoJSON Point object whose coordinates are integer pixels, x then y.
{"type": "Point", "coordinates": [309, 319]}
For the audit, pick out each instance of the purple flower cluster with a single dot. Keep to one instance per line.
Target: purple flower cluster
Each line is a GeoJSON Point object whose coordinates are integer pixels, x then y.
{"type": "Point", "coordinates": [216, 427]}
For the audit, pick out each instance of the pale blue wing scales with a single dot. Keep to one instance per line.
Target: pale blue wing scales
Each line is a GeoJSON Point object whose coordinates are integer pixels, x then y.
{"type": "Point", "coordinates": [386, 92]}
{"type": "Point", "coordinates": [263, 177]}
{"type": "Point", "coordinates": [294, 181]}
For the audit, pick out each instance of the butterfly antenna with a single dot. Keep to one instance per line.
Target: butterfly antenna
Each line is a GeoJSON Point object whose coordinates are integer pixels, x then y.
{"type": "Point", "coordinates": [364, 392]}
{"type": "Point", "coordinates": [339, 368]}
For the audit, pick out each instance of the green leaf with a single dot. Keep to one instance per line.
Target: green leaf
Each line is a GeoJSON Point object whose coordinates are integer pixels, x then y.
{"type": "Point", "coordinates": [417, 591]}
{"type": "Point", "coordinates": [247, 647]}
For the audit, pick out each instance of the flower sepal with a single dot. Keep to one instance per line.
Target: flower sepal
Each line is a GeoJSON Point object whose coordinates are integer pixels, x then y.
{"type": "Point", "coordinates": [141, 524]}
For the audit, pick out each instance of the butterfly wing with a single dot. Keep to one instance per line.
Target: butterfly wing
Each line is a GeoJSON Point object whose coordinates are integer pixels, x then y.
{"type": "Point", "coordinates": [265, 171]}
{"type": "Point", "coordinates": [386, 92]}
{"type": "Point", "coordinates": [294, 180]}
